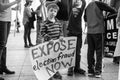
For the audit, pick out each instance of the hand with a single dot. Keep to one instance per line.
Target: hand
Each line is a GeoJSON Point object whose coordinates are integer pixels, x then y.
{"type": "Point", "coordinates": [61, 38]}
{"type": "Point", "coordinates": [51, 42]}
{"type": "Point", "coordinates": [47, 37]}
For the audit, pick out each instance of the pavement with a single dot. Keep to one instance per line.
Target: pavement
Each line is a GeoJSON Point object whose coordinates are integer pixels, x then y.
{"type": "Point", "coordinates": [18, 59]}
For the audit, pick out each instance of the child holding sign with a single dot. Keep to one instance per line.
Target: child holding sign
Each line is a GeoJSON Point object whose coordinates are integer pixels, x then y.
{"type": "Point", "coordinates": [52, 29]}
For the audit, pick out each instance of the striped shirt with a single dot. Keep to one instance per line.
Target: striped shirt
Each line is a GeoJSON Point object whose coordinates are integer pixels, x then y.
{"type": "Point", "coordinates": [53, 30]}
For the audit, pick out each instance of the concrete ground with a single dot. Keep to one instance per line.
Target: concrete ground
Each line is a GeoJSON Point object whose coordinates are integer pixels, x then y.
{"type": "Point", "coordinates": [18, 59]}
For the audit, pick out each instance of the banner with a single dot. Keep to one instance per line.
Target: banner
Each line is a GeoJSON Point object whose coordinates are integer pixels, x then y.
{"type": "Point", "coordinates": [49, 57]}
{"type": "Point", "coordinates": [111, 35]}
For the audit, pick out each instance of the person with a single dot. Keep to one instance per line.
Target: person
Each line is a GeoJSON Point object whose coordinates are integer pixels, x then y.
{"type": "Point", "coordinates": [94, 20]}
{"type": "Point", "coordinates": [5, 21]}
{"type": "Point", "coordinates": [75, 29]}
{"type": "Point", "coordinates": [115, 4]}
{"type": "Point", "coordinates": [63, 13]}
{"type": "Point", "coordinates": [52, 29]}
{"type": "Point", "coordinates": [116, 58]}
{"type": "Point", "coordinates": [27, 14]}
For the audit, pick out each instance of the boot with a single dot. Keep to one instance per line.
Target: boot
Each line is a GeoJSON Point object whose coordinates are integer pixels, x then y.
{"type": "Point", "coordinates": [6, 71]}
{"type": "Point", "coordinates": [77, 68]}
{"type": "Point", "coordinates": [26, 46]}
{"type": "Point", "coordinates": [31, 45]}
{"type": "Point", "coordinates": [4, 68]}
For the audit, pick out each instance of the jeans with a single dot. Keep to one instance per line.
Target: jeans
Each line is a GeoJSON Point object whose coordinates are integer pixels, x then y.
{"type": "Point", "coordinates": [27, 32]}
{"type": "Point", "coordinates": [95, 45]}
{"type": "Point", "coordinates": [78, 49]}
{"type": "Point", "coordinates": [4, 33]}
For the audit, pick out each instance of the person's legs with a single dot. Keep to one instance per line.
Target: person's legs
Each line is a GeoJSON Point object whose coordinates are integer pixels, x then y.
{"type": "Point", "coordinates": [90, 54]}
{"type": "Point", "coordinates": [70, 70]}
{"type": "Point", "coordinates": [78, 51]}
{"type": "Point", "coordinates": [77, 68]}
{"type": "Point", "coordinates": [3, 36]}
{"type": "Point", "coordinates": [3, 57]}
{"type": "Point", "coordinates": [29, 38]}
{"type": "Point", "coordinates": [26, 35]}
{"type": "Point", "coordinates": [4, 31]}
{"type": "Point", "coordinates": [99, 53]}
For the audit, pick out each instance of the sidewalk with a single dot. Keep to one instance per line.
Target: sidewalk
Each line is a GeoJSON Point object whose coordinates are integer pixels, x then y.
{"type": "Point", "coordinates": [18, 59]}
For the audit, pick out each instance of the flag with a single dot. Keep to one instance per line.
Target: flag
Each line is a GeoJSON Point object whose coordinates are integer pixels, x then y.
{"type": "Point", "coordinates": [43, 9]}
{"type": "Point", "coordinates": [17, 7]}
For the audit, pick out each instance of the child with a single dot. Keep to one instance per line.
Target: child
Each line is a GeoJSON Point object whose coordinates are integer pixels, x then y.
{"type": "Point", "coordinates": [52, 29]}
{"type": "Point", "coordinates": [75, 29]}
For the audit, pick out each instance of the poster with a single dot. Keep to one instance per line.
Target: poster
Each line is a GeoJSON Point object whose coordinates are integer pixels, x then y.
{"type": "Point", "coordinates": [49, 57]}
{"type": "Point", "coordinates": [111, 34]}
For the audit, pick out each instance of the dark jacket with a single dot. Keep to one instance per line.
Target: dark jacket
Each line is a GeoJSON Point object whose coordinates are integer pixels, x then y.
{"type": "Point", "coordinates": [75, 22]}
{"type": "Point", "coordinates": [94, 16]}
{"type": "Point", "coordinates": [32, 19]}
{"type": "Point", "coordinates": [63, 13]}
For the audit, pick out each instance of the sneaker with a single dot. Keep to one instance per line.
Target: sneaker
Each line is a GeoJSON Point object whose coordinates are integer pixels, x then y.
{"type": "Point", "coordinates": [26, 46]}
{"type": "Point", "coordinates": [7, 71]}
{"type": "Point", "coordinates": [80, 71]}
{"type": "Point", "coordinates": [91, 73]}
{"type": "Point", "coordinates": [31, 45]}
{"type": "Point", "coordinates": [98, 75]}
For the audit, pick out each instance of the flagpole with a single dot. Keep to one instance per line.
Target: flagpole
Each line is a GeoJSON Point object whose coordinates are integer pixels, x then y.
{"type": "Point", "coordinates": [16, 22]}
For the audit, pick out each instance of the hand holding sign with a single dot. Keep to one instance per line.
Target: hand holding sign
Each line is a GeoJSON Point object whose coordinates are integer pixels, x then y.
{"type": "Point", "coordinates": [51, 42]}
{"type": "Point", "coordinates": [61, 38]}
{"type": "Point", "coordinates": [47, 37]}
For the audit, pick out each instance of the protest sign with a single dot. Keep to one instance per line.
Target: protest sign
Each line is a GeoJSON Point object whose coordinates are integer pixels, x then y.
{"type": "Point", "coordinates": [49, 57]}
{"type": "Point", "coordinates": [111, 35]}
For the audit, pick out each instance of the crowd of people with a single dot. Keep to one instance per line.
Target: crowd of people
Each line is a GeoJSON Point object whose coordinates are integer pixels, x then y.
{"type": "Point", "coordinates": [64, 18]}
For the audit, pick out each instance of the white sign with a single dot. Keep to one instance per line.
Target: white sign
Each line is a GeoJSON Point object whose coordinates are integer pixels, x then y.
{"type": "Point", "coordinates": [117, 49]}
{"type": "Point", "coordinates": [48, 58]}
